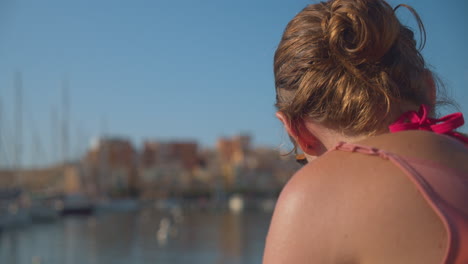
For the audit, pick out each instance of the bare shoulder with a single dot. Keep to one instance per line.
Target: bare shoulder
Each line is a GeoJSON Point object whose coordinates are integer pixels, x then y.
{"type": "Point", "coordinates": [316, 217]}
{"type": "Point", "coordinates": [300, 228]}
{"type": "Point", "coordinates": [349, 208]}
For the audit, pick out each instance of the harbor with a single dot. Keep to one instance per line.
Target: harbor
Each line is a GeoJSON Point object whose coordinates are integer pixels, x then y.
{"type": "Point", "coordinates": [156, 201]}
{"type": "Point", "coordinates": [147, 235]}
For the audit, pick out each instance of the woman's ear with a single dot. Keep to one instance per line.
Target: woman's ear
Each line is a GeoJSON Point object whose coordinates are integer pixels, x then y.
{"type": "Point", "coordinates": [287, 124]}
{"type": "Point", "coordinates": [308, 143]}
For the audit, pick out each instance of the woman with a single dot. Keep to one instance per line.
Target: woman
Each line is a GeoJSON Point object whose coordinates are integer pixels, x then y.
{"type": "Point", "coordinates": [390, 183]}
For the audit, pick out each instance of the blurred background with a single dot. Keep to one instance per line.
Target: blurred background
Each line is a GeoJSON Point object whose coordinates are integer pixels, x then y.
{"type": "Point", "coordinates": [144, 131]}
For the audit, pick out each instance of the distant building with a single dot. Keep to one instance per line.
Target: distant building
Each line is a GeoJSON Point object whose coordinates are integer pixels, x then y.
{"type": "Point", "coordinates": [63, 179]}
{"type": "Point", "coordinates": [233, 153]}
{"type": "Point", "coordinates": [168, 166]}
{"type": "Point", "coordinates": [179, 153]}
{"type": "Point", "coordinates": [234, 150]}
{"type": "Point", "coordinates": [112, 163]}
{"type": "Point", "coordinates": [269, 170]}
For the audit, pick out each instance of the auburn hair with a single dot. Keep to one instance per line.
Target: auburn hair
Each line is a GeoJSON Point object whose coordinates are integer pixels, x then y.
{"type": "Point", "coordinates": [349, 64]}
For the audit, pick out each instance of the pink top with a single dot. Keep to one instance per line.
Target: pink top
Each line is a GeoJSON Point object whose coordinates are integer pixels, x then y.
{"type": "Point", "coordinates": [444, 189]}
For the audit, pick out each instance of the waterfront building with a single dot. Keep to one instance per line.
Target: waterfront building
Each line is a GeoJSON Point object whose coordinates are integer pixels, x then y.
{"type": "Point", "coordinates": [112, 165]}
{"type": "Point", "coordinates": [233, 153]}
{"type": "Point", "coordinates": [57, 180]}
{"type": "Point", "coordinates": [168, 166]}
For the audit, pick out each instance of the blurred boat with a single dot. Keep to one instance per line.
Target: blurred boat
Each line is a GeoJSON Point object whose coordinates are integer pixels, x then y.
{"type": "Point", "coordinates": [76, 204]}
{"type": "Point", "coordinates": [45, 209]}
{"type": "Point", "coordinates": [13, 211]}
{"type": "Point", "coordinates": [44, 214]}
{"type": "Point", "coordinates": [14, 216]}
{"type": "Point", "coordinates": [117, 205]}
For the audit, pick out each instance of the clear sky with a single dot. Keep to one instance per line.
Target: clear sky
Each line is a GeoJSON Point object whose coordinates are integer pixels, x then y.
{"type": "Point", "coordinates": [163, 69]}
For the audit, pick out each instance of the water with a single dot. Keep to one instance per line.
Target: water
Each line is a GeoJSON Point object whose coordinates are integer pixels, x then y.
{"type": "Point", "coordinates": [147, 236]}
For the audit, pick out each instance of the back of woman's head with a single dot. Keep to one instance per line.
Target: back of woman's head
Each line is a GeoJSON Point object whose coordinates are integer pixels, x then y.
{"type": "Point", "coordinates": [348, 64]}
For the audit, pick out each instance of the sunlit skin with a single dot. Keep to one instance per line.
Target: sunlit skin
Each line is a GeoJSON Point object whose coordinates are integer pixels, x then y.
{"type": "Point", "coordinates": [348, 208]}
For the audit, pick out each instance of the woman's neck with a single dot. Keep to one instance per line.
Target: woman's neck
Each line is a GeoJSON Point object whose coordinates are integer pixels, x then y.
{"type": "Point", "coordinates": [329, 138]}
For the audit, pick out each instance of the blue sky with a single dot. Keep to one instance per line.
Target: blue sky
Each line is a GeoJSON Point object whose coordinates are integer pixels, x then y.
{"type": "Point", "coordinates": [168, 69]}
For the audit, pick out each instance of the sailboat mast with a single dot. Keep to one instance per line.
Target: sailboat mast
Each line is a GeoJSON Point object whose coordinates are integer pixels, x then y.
{"type": "Point", "coordinates": [2, 147]}
{"type": "Point", "coordinates": [54, 135]}
{"type": "Point", "coordinates": [65, 120]}
{"type": "Point", "coordinates": [4, 157]}
{"type": "Point", "coordinates": [18, 117]}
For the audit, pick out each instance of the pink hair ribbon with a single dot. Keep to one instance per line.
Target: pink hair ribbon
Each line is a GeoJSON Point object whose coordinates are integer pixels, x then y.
{"type": "Point", "coordinates": [413, 120]}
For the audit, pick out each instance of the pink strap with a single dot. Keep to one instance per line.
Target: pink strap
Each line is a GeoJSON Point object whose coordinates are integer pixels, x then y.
{"type": "Point", "coordinates": [420, 121]}
{"type": "Point", "coordinates": [420, 183]}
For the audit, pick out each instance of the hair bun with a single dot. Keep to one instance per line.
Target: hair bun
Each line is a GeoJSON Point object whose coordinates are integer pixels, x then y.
{"type": "Point", "coordinates": [360, 31]}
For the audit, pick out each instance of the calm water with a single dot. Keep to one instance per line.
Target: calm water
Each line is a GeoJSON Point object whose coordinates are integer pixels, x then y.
{"type": "Point", "coordinates": [147, 236]}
